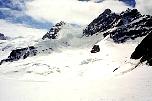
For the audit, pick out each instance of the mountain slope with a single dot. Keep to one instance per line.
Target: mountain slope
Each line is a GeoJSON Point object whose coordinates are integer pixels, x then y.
{"type": "Point", "coordinates": [128, 25]}
{"type": "Point", "coordinates": [64, 68]}
{"type": "Point", "coordinates": [143, 50]}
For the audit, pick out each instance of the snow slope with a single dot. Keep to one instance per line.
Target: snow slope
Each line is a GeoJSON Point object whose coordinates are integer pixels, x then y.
{"type": "Point", "coordinates": [88, 77]}
{"type": "Point", "coordinates": [76, 74]}
{"type": "Point", "coordinates": [70, 72]}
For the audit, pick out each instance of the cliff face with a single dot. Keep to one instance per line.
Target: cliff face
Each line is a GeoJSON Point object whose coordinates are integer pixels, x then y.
{"type": "Point", "coordinates": [144, 50]}
{"type": "Point", "coordinates": [129, 24]}
{"type": "Point", "coordinates": [53, 33]}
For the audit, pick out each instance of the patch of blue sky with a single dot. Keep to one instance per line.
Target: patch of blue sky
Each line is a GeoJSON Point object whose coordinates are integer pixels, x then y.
{"type": "Point", "coordinates": [131, 3]}
{"type": "Point", "coordinates": [13, 11]}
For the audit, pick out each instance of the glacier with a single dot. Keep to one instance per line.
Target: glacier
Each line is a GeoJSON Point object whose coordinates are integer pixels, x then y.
{"type": "Point", "coordinates": [64, 69]}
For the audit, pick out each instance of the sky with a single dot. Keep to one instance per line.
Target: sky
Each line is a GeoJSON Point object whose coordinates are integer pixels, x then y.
{"type": "Point", "coordinates": [42, 14]}
{"type": "Point", "coordinates": [13, 11]}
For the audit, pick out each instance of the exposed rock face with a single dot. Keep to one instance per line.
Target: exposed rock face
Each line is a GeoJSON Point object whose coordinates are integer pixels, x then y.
{"type": "Point", "coordinates": [95, 49]}
{"type": "Point", "coordinates": [2, 37]}
{"type": "Point", "coordinates": [102, 23]}
{"type": "Point", "coordinates": [135, 26]}
{"type": "Point", "coordinates": [53, 33]}
{"type": "Point", "coordinates": [129, 24]}
{"type": "Point", "coordinates": [144, 50]}
{"type": "Point", "coordinates": [22, 53]}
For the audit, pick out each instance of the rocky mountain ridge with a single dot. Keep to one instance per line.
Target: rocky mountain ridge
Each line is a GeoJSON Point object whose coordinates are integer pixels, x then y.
{"type": "Point", "coordinates": [128, 25]}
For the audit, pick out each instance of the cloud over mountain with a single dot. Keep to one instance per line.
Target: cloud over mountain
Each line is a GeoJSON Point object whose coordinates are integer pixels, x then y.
{"type": "Point", "coordinates": [14, 11]}
{"type": "Point", "coordinates": [40, 14]}
{"type": "Point", "coordinates": [72, 11]}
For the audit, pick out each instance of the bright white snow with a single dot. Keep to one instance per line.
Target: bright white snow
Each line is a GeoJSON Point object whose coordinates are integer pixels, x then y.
{"type": "Point", "coordinates": [72, 73]}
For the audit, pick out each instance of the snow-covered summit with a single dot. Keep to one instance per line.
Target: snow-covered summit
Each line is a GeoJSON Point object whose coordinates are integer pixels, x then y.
{"type": "Point", "coordinates": [128, 25]}
{"type": "Point", "coordinates": [53, 32]}
{"type": "Point", "coordinates": [66, 69]}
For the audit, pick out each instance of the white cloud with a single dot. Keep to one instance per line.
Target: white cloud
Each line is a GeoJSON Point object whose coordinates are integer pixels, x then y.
{"type": "Point", "coordinates": [15, 30]}
{"type": "Point", "coordinates": [71, 11]}
{"type": "Point", "coordinates": [144, 6]}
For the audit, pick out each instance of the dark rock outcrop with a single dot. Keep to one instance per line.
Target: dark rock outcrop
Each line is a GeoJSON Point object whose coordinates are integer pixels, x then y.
{"type": "Point", "coordinates": [53, 33]}
{"type": "Point", "coordinates": [2, 37]}
{"type": "Point", "coordinates": [95, 49]}
{"type": "Point", "coordinates": [22, 53]}
{"type": "Point", "coordinates": [137, 25]}
{"type": "Point", "coordinates": [144, 50]}
{"type": "Point", "coordinates": [102, 23]}
{"type": "Point", "coordinates": [129, 24]}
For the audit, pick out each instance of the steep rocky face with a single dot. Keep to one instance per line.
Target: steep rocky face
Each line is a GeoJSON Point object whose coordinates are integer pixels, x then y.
{"type": "Point", "coordinates": [128, 16]}
{"type": "Point", "coordinates": [129, 24]}
{"type": "Point", "coordinates": [22, 53]}
{"type": "Point", "coordinates": [102, 23]}
{"type": "Point", "coordinates": [53, 33]}
{"type": "Point", "coordinates": [144, 50]}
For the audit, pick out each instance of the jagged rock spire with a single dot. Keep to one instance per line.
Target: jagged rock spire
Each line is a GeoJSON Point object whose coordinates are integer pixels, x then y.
{"type": "Point", "coordinates": [53, 32]}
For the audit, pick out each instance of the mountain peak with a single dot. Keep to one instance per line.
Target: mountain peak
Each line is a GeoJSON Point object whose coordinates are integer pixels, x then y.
{"type": "Point", "coordinates": [53, 32]}
{"type": "Point", "coordinates": [127, 25]}
{"type": "Point", "coordinates": [106, 12]}
{"type": "Point", "coordinates": [131, 12]}
{"type": "Point", "coordinates": [103, 22]}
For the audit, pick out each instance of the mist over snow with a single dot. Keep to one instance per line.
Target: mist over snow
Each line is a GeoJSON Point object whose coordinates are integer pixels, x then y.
{"type": "Point", "coordinates": [16, 30]}
{"type": "Point", "coordinates": [74, 61]}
